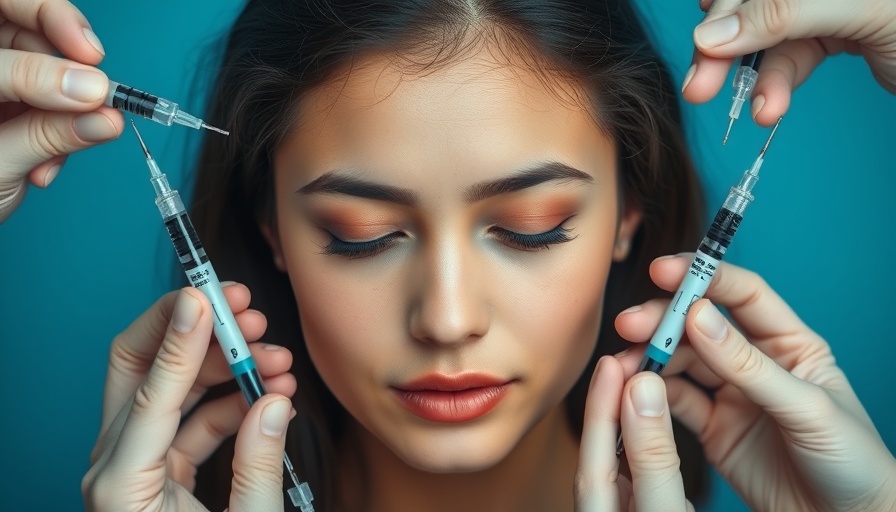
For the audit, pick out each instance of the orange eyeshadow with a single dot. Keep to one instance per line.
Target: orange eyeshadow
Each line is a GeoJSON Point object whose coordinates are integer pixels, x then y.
{"type": "Point", "coordinates": [356, 226]}
{"type": "Point", "coordinates": [536, 216]}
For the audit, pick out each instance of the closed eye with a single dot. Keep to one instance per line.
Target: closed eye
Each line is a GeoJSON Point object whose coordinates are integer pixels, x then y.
{"type": "Point", "coordinates": [354, 250]}
{"type": "Point", "coordinates": [535, 242]}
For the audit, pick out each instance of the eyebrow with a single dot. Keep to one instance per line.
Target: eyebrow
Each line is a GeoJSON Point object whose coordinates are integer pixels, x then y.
{"type": "Point", "coordinates": [342, 182]}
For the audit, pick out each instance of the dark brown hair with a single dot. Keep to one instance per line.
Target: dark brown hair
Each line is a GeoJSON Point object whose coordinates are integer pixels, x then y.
{"type": "Point", "coordinates": [279, 49]}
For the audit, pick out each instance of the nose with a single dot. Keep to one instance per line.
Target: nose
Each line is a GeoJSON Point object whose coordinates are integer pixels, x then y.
{"type": "Point", "coordinates": [449, 304]}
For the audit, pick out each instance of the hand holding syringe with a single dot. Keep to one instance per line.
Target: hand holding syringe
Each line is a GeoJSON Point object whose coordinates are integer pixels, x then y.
{"type": "Point", "coordinates": [202, 276]}
{"type": "Point", "coordinates": [707, 260]}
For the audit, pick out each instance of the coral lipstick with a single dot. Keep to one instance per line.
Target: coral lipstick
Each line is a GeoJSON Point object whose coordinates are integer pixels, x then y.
{"type": "Point", "coordinates": [451, 399]}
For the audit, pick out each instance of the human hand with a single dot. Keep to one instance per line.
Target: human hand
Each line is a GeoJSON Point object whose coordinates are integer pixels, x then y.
{"type": "Point", "coordinates": [780, 421]}
{"type": "Point", "coordinates": [159, 368]}
{"type": "Point", "coordinates": [49, 106]}
{"type": "Point", "coordinates": [640, 407]}
{"type": "Point", "coordinates": [797, 36]}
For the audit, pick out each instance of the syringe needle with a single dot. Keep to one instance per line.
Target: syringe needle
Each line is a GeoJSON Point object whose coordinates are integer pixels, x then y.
{"type": "Point", "coordinates": [145, 149]}
{"type": "Point", "coordinates": [728, 132]}
{"type": "Point", "coordinates": [209, 127]}
{"type": "Point", "coordinates": [770, 137]}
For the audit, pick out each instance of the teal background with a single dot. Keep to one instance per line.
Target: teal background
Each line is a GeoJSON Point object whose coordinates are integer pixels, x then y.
{"type": "Point", "coordinates": [80, 260]}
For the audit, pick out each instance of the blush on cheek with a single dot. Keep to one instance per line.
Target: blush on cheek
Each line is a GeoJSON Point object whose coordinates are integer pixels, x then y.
{"type": "Point", "coordinates": [343, 322]}
{"type": "Point", "coordinates": [555, 313]}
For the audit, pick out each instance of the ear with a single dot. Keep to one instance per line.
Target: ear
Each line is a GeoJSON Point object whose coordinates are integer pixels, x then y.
{"type": "Point", "coordinates": [273, 239]}
{"type": "Point", "coordinates": [628, 226]}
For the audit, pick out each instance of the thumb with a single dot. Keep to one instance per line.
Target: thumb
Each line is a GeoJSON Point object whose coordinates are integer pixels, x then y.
{"type": "Point", "coordinates": [761, 24]}
{"type": "Point", "coordinates": [725, 351]}
{"type": "Point", "coordinates": [258, 456]}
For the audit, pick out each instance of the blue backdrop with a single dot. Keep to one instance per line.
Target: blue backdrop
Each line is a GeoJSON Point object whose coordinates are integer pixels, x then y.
{"type": "Point", "coordinates": [80, 260]}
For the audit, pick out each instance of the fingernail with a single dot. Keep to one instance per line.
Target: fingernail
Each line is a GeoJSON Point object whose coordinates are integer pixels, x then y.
{"type": "Point", "coordinates": [649, 396]}
{"type": "Point", "coordinates": [688, 76]}
{"type": "Point", "coordinates": [667, 257]}
{"type": "Point", "coordinates": [84, 85]}
{"type": "Point", "coordinates": [94, 41]}
{"type": "Point", "coordinates": [711, 323]}
{"type": "Point", "coordinates": [225, 284]}
{"type": "Point", "coordinates": [717, 32]}
{"type": "Point", "coordinates": [51, 175]}
{"type": "Point", "coordinates": [186, 313]}
{"type": "Point", "coordinates": [756, 105]}
{"type": "Point", "coordinates": [633, 309]}
{"type": "Point", "coordinates": [274, 418]}
{"type": "Point", "coordinates": [270, 346]}
{"type": "Point", "coordinates": [94, 127]}
{"type": "Point", "coordinates": [622, 354]}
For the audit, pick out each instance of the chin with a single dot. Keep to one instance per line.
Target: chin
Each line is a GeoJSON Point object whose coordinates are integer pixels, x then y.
{"type": "Point", "coordinates": [460, 448]}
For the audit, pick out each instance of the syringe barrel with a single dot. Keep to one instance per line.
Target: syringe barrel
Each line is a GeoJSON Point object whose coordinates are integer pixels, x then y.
{"type": "Point", "coordinates": [202, 276]}
{"type": "Point", "coordinates": [752, 60]}
{"type": "Point", "coordinates": [722, 230]}
{"type": "Point", "coordinates": [694, 285]}
{"type": "Point", "coordinates": [141, 103]}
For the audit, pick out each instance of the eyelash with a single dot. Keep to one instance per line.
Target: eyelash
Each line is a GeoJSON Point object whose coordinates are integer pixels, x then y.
{"type": "Point", "coordinates": [355, 250]}
{"type": "Point", "coordinates": [528, 243]}
{"type": "Point", "coordinates": [536, 242]}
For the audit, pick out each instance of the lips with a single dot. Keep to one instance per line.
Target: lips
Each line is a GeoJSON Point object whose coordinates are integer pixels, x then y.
{"type": "Point", "coordinates": [451, 399]}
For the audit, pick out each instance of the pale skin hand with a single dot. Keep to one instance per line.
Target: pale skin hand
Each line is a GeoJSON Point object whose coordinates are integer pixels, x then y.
{"type": "Point", "coordinates": [784, 426]}
{"type": "Point", "coordinates": [797, 36]}
{"type": "Point", "coordinates": [640, 406]}
{"type": "Point", "coordinates": [49, 106]}
{"type": "Point", "coordinates": [159, 368]}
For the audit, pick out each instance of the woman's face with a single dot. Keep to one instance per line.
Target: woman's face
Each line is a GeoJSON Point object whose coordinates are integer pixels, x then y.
{"type": "Point", "coordinates": [448, 237]}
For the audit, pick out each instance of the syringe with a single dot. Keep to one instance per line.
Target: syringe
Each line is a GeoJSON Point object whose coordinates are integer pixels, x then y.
{"type": "Point", "coordinates": [152, 107]}
{"type": "Point", "coordinates": [744, 81]}
{"type": "Point", "coordinates": [704, 265]}
{"type": "Point", "coordinates": [202, 276]}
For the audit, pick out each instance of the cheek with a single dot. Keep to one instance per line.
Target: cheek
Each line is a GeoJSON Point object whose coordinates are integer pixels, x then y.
{"type": "Point", "coordinates": [343, 309]}
{"type": "Point", "coordinates": [554, 309]}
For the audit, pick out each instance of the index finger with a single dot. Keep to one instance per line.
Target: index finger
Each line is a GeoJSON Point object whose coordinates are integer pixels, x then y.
{"type": "Point", "coordinates": [761, 24]}
{"type": "Point", "coordinates": [134, 350]}
{"type": "Point", "coordinates": [708, 74]}
{"type": "Point", "coordinates": [62, 23]}
{"type": "Point", "coordinates": [596, 477]}
{"type": "Point", "coordinates": [650, 448]}
{"type": "Point", "coordinates": [760, 311]}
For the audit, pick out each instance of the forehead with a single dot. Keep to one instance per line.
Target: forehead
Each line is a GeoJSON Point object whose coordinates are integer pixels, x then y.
{"type": "Point", "coordinates": [479, 114]}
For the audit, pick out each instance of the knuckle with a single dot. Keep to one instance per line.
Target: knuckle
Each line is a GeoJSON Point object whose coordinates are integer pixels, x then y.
{"type": "Point", "coordinates": [121, 356]}
{"type": "Point", "coordinates": [789, 66]}
{"type": "Point", "coordinates": [251, 474]}
{"type": "Point", "coordinates": [655, 454]}
{"type": "Point", "coordinates": [147, 395]}
{"type": "Point", "coordinates": [31, 75]}
{"type": "Point", "coordinates": [748, 363]}
{"type": "Point", "coordinates": [168, 367]}
{"type": "Point", "coordinates": [777, 16]}
{"type": "Point", "coordinates": [48, 137]}
{"type": "Point", "coordinates": [172, 364]}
